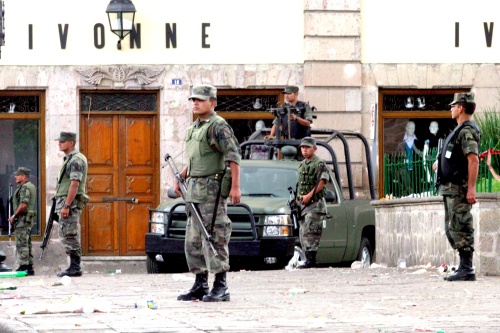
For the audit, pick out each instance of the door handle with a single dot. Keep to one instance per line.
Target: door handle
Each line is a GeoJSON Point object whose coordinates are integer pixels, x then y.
{"type": "Point", "coordinates": [132, 200]}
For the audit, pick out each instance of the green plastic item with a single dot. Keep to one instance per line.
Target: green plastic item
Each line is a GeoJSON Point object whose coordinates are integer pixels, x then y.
{"type": "Point", "coordinates": [13, 274]}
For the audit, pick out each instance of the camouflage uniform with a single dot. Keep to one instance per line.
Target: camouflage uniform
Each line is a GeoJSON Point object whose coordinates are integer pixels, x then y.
{"type": "Point", "coordinates": [74, 168]}
{"type": "Point", "coordinates": [25, 193]}
{"type": "Point", "coordinates": [311, 221]}
{"type": "Point", "coordinates": [203, 185]}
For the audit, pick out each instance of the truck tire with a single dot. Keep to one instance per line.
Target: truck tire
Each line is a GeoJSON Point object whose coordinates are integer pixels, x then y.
{"type": "Point", "coordinates": [365, 252]}
{"type": "Point", "coordinates": [152, 266]}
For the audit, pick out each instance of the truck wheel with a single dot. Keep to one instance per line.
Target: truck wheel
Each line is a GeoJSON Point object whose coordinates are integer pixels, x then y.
{"type": "Point", "coordinates": [153, 266]}
{"type": "Point", "coordinates": [365, 252]}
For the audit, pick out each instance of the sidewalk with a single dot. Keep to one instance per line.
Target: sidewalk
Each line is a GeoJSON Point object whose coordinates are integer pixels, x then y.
{"type": "Point", "coordinates": [320, 300]}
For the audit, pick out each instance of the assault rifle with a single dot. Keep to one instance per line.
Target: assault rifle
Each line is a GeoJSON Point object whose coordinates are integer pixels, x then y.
{"type": "Point", "coordinates": [191, 206]}
{"type": "Point", "coordinates": [11, 210]}
{"type": "Point", "coordinates": [48, 228]}
{"type": "Point", "coordinates": [437, 174]}
{"type": "Point", "coordinates": [294, 208]}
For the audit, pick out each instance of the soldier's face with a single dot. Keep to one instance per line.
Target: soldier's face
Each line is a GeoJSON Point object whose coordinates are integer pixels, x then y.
{"type": "Point", "coordinates": [308, 152]}
{"type": "Point", "coordinates": [20, 178]}
{"type": "Point", "coordinates": [291, 98]}
{"type": "Point", "coordinates": [455, 111]}
{"type": "Point", "coordinates": [201, 107]}
{"type": "Point", "coordinates": [66, 146]}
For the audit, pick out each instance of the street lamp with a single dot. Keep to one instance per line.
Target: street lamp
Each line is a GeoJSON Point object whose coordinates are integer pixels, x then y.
{"type": "Point", "coordinates": [121, 15]}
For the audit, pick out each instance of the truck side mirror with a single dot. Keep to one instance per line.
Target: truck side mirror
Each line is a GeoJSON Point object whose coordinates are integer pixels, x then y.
{"type": "Point", "coordinates": [330, 196]}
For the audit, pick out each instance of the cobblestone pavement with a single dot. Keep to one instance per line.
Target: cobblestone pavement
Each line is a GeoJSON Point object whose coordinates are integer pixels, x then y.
{"type": "Point", "coordinates": [315, 300]}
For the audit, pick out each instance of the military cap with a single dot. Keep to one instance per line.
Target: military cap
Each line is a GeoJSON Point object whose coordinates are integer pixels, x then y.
{"type": "Point", "coordinates": [308, 141]}
{"type": "Point", "coordinates": [291, 90]}
{"type": "Point", "coordinates": [67, 136]}
{"type": "Point", "coordinates": [204, 92]}
{"type": "Point", "coordinates": [463, 98]}
{"type": "Point", "coordinates": [22, 171]}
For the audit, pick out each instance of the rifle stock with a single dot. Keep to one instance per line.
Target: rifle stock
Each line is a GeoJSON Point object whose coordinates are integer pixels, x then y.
{"type": "Point", "coordinates": [192, 208]}
{"type": "Point", "coordinates": [48, 228]}
{"type": "Point", "coordinates": [11, 210]}
{"type": "Point", "coordinates": [294, 208]}
{"type": "Point", "coordinates": [437, 174]}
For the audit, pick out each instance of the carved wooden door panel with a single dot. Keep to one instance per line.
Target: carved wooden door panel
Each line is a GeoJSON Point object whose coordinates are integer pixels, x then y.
{"type": "Point", "coordinates": [122, 182]}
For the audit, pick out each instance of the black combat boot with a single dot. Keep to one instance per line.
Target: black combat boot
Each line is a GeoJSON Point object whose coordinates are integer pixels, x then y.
{"type": "Point", "coordinates": [219, 291]}
{"type": "Point", "coordinates": [465, 271]}
{"type": "Point", "coordinates": [199, 289]}
{"type": "Point", "coordinates": [74, 268]}
{"type": "Point", "coordinates": [31, 271]}
{"type": "Point", "coordinates": [3, 266]}
{"type": "Point", "coordinates": [310, 260]}
{"type": "Point", "coordinates": [22, 268]}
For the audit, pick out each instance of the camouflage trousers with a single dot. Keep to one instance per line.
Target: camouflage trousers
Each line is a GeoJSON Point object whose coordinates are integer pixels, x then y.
{"type": "Point", "coordinates": [200, 258]}
{"type": "Point", "coordinates": [23, 241]}
{"type": "Point", "coordinates": [458, 224]}
{"type": "Point", "coordinates": [311, 228]}
{"type": "Point", "coordinates": [69, 233]}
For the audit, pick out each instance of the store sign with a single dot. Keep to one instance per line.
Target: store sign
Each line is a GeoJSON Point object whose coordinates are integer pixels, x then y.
{"type": "Point", "coordinates": [445, 31]}
{"type": "Point", "coordinates": [182, 32]}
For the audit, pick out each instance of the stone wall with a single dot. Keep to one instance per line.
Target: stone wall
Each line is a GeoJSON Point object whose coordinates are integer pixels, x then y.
{"type": "Point", "coordinates": [413, 229]}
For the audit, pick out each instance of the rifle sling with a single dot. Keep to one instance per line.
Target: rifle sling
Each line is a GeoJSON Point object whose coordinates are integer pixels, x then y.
{"type": "Point", "coordinates": [217, 199]}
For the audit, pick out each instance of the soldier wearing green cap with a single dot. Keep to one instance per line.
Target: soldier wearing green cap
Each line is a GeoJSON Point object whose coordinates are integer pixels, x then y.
{"type": "Point", "coordinates": [70, 200]}
{"type": "Point", "coordinates": [297, 125]}
{"type": "Point", "coordinates": [312, 178]}
{"type": "Point", "coordinates": [458, 170]}
{"type": "Point", "coordinates": [24, 218]}
{"type": "Point", "coordinates": [210, 146]}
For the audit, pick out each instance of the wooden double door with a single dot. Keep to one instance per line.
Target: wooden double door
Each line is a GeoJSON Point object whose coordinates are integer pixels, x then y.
{"type": "Point", "coordinates": [122, 152]}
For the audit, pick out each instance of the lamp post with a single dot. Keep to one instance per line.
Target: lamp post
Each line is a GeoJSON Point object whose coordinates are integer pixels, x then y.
{"type": "Point", "coordinates": [121, 14]}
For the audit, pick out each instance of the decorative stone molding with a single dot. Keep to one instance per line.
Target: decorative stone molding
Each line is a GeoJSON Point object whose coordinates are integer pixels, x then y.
{"type": "Point", "coordinates": [142, 75]}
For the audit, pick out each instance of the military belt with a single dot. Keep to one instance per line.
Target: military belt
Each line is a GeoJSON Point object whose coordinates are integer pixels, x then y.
{"type": "Point", "coordinates": [217, 176]}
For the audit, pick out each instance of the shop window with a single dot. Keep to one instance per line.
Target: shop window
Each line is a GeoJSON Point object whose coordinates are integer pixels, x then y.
{"type": "Point", "coordinates": [410, 124]}
{"type": "Point", "coordinates": [243, 108]}
{"type": "Point", "coordinates": [21, 125]}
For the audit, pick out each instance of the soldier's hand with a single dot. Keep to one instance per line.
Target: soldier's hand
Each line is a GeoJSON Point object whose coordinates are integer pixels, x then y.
{"type": "Point", "coordinates": [11, 219]}
{"type": "Point", "coordinates": [235, 195]}
{"type": "Point", "coordinates": [64, 213]}
{"type": "Point", "coordinates": [434, 166]}
{"type": "Point", "coordinates": [177, 189]}
{"type": "Point", "coordinates": [471, 196]}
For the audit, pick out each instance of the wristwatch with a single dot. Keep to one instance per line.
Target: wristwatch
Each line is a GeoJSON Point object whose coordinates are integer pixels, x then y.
{"type": "Point", "coordinates": [66, 206]}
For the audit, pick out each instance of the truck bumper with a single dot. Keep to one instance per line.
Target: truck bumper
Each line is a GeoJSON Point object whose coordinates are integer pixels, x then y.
{"type": "Point", "coordinates": [272, 247]}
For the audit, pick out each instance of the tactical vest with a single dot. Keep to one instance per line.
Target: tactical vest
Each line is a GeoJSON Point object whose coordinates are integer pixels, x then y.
{"type": "Point", "coordinates": [308, 178]}
{"type": "Point", "coordinates": [455, 169]}
{"type": "Point", "coordinates": [203, 160]}
{"type": "Point", "coordinates": [297, 131]}
{"type": "Point", "coordinates": [65, 181]}
{"type": "Point", "coordinates": [16, 200]}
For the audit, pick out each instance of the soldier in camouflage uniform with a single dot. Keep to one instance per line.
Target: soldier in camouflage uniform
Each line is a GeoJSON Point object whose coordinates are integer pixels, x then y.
{"type": "Point", "coordinates": [458, 170]}
{"type": "Point", "coordinates": [70, 200]}
{"type": "Point", "coordinates": [210, 145]}
{"type": "Point", "coordinates": [299, 125]}
{"type": "Point", "coordinates": [24, 218]}
{"type": "Point", "coordinates": [312, 178]}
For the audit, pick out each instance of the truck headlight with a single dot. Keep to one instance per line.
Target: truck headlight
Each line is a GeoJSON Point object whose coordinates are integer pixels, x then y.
{"type": "Point", "coordinates": [277, 225]}
{"type": "Point", "coordinates": [157, 220]}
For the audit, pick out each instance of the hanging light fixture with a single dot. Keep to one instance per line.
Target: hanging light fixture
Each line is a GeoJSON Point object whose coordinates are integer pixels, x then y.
{"type": "Point", "coordinates": [121, 14]}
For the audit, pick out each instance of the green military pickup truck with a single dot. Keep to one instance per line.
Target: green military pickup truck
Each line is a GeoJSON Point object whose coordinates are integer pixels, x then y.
{"type": "Point", "coordinates": [263, 232]}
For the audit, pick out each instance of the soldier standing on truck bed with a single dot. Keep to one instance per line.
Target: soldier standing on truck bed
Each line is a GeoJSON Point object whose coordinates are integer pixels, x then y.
{"type": "Point", "coordinates": [312, 177]}
{"type": "Point", "coordinates": [210, 145]}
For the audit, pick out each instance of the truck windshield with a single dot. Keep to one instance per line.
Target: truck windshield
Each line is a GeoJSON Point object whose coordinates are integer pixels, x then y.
{"type": "Point", "coordinates": [265, 181]}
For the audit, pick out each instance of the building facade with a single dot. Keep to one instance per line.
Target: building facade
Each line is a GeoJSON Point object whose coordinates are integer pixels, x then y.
{"type": "Point", "coordinates": [363, 68]}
